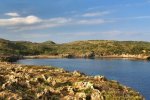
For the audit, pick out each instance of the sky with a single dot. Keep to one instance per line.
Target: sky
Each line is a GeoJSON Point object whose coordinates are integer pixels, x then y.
{"type": "Point", "coordinates": [71, 20]}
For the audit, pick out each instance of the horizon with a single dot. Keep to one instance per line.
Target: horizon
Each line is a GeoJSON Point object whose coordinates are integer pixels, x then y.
{"type": "Point", "coordinates": [64, 21]}
{"type": "Point", "coordinates": [72, 41]}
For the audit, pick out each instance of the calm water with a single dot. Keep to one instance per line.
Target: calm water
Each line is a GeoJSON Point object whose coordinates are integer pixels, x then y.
{"type": "Point", "coordinates": [133, 73]}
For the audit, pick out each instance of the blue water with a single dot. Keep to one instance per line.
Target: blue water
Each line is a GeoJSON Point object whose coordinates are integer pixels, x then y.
{"type": "Point", "coordinates": [133, 73]}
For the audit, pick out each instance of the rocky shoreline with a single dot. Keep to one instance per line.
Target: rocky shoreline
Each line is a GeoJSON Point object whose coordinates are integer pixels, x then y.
{"type": "Point", "coordinates": [142, 57]}
{"type": "Point", "coordinates": [22, 82]}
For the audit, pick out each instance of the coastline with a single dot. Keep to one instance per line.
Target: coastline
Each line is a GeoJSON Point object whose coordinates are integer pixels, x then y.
{"type": "Point", "coordinates": [11, 59]}
{"type": "Point", "coordinates": [14, 58]}
{"type": "Point", "coordinates": [141, 57]}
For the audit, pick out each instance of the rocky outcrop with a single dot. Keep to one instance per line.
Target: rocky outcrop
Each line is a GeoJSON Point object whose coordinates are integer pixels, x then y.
{"type": "Point", "coordinates": [21, 82]}
{"type": "Point", "coordinates": [89, 55]}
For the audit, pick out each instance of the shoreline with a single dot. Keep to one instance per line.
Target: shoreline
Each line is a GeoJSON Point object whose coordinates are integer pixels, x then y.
{"type": "Point", "coordinates": [140, 57]}
{"type": "Point", "coordinates": [14, 58]}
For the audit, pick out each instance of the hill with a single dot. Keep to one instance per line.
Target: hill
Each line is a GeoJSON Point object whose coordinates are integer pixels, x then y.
{"type": "Point", "coordinates": [91, 48]}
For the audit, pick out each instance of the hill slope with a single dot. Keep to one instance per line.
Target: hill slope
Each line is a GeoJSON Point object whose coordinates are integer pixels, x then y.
{"type": "Point", "coordinates": [95, 48]}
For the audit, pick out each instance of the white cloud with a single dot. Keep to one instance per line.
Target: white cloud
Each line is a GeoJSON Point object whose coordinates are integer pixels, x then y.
{"type": "Point", "coordinates": [57, 22]}
{"type": "Point", "coordinates": [19, 21]}
{"type": "Point", "coordinates": [44, 23]}
{"type": "Point", "coordinates": [12, 14]}
{"type": "Point", "coordinates": [130, 18]}
{"type": "Point", "coordinates": [94, 14]}
{"type": "Point", "coordinates": [32, 22]}
{"type": "Point", "coordinates": [92, 21]}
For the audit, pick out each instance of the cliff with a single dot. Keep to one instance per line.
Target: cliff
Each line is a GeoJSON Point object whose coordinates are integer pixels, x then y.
{"type": "Point", "coordinates": [22, 82]}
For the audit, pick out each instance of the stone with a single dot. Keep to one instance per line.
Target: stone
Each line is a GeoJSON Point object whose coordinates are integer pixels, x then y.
{"type": "Point", "coordinates": [83, 85]}
{"type": "Point", "coordinates": [68, 90]}
{"type": "Point", "coordinates": [76, 73]}
{"type": "Point", "coordinates": [54, 82]}
{"type": "Point", "coordinates": [49, 79]}
{"type": "Point", "coordinates": [100, 78]}
{"type": "Point", "coordinates": [68, 97]}
{"type": "Point", "coordinates": [44, 77]}
{"type": "Point", "coordinates": [80, 96]}
{"type": "Point", "coordinates": [96, 95]}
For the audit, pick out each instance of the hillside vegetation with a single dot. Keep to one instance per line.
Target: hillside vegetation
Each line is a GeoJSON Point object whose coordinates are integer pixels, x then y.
{"type": "Point", "coordinates": [79, 48]}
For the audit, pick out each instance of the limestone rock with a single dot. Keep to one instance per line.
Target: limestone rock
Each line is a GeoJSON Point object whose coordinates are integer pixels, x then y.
{"type": "Point", "coordinates": [83, 85]}
{"type": "Point", "coordinates": [96, 95]}
{"type": "Point", "coordinates": [100, 78]}
{"type": "Point", "coordinates": [76, 73]}
{"type": "Point", "coordinates": [80, 96]}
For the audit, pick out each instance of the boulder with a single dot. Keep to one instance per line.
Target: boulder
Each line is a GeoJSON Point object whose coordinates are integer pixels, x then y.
{"type": "Point", "coordinates": [83, 85]}
{"type": "Point", "coordinates": [96, 95]}
{"type": "Point", "coordinates": [90, 54]}
{"type": "Point", "coordinates": [68, 90]}
{"type": "Point", "coordinates": [100, 78]}
{"type": "Point", "coordinates": [49, 79]}
{"type": "Point", "coordinates": [76, 73]}
{"type": "Point", "coordinates": [80, 96]}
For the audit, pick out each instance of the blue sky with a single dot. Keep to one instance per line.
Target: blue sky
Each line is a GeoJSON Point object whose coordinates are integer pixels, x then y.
{"type": "Point", "coordinates": [71, 20]}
